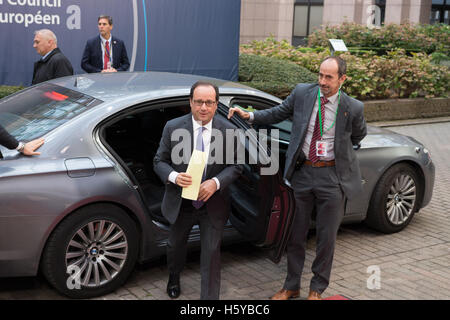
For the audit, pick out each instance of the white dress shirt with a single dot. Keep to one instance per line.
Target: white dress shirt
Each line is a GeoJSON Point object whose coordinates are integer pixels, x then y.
{"type": "Point", "coordinates": [328, 134]}
{"type": "Point", "coordinates": [196, 125]}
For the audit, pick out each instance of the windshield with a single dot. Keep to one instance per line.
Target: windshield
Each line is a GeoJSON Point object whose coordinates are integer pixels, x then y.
{"type": "Point", "coordinates": [32, 113]}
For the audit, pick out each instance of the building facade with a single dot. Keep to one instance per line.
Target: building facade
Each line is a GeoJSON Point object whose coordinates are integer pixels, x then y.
{"type": "Point", "coordinates": [294, 20]}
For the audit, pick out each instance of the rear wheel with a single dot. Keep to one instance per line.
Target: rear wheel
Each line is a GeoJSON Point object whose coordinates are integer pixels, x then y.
{"type": "Point", "coordinates": [395, 199]}
{"type": "Point", "coordinates": [92, 252]}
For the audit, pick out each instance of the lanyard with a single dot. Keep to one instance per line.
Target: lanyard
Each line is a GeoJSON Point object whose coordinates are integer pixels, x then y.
{"type": "Point", "coordinates": [335, 116]}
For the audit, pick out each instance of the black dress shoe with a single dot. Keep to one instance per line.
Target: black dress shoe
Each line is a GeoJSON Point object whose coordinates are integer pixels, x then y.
{"type": "Point", "coordinates": [173, 286]}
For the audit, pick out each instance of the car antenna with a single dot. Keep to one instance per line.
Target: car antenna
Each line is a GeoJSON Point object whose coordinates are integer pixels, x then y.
{"type": "Point", "coordinates": [76, 82]}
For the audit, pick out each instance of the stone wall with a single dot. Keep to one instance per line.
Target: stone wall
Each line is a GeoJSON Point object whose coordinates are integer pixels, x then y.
{"type": "Point", "coordinates": [401, 109]}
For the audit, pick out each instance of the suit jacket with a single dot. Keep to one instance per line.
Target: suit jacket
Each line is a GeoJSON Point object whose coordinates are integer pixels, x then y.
{"type": "Point", "coordinates": [7, 140]}
{"type": "Point", "coordinates": [350, 130]}
{"type": "Point", "coordinates": [55, 65]}
{"type": "Point", "coordinates": [92, 60]}
{"type": "Point", "coordinates": [218, 206]}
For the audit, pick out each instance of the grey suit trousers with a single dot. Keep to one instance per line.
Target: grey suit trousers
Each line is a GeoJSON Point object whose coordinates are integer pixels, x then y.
{"type": "Point", "coordinates": [210, 239]}
{"type": "Point", "coordinates": [319, 188]}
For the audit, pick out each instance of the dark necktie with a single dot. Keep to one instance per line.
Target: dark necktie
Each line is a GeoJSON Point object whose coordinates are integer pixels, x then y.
{"type": "Point", "coordinates": [106, 59]}
{"type": "Point", "coordinates": [201, 147]}
{"type": "Point", "coordinates": [316, 133]}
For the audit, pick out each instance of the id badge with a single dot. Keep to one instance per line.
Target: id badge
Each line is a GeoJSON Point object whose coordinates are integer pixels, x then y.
{"type": "Point", "coordinates": [322, 148]}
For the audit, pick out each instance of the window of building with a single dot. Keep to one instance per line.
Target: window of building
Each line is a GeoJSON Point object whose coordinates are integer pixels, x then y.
{"type": "Point", "coordinates": [382, 5]}
{"type": "Point", "coordinates": [440, 12]}
{"type": "Point", "coordinates": [307, 17]}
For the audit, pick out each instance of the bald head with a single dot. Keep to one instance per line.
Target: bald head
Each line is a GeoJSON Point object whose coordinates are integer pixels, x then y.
{"type": "Point", "coordinates": [44, 41]}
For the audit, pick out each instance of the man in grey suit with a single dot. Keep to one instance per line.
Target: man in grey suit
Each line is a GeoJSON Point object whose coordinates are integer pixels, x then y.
{"type": "Point", "coordinates": [212, 208]}
{"type": "Point", "coordinates": [321, 167]}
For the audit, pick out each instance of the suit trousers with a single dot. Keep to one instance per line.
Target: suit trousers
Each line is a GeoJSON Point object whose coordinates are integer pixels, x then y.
{"type": "Point", "coordinates": [317, 188]}
{"type": "Point", "coordinates": [210, 241]}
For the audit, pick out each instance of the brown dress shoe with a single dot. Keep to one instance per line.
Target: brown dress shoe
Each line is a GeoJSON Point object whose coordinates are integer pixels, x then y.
{"type": "Point", "coordinates": [314, 295]}
{"type": "Point", "coordinates": [284, 294]}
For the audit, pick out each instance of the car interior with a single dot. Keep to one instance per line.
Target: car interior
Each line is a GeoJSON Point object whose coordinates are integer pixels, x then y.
{"type": "Point", "coordinates": [134, 138]}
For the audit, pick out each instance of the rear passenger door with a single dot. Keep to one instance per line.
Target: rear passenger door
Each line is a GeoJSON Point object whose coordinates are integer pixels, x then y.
{"type": "Point", "coordinates": [262, 205]}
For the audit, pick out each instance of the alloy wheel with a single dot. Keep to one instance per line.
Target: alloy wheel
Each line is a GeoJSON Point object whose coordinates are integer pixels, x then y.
{"type": "Point", "coordinates": [97, 253]}
{"type": "Point", "coordinates": [401, 199]}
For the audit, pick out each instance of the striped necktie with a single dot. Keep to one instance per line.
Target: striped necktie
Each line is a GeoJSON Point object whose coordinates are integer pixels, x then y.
{"type": "Point", "coordinates": [201, 147]}
{"type": "Point", "coordinates": [316, 133]}
{"type": "Point", "coordinates": [106, 58]}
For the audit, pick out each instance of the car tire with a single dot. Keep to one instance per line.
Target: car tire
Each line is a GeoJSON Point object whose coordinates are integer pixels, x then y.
{"type": "Point", "coordinates": [91, 252]}
{"type": "Point", "coordinates": [395, 199]}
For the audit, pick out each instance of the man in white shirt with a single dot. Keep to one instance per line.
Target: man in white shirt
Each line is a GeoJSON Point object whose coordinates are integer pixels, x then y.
{"type": "Point", "coordinates": [105, 53]}
{"type": "Point", "coordinates": [212, 207]}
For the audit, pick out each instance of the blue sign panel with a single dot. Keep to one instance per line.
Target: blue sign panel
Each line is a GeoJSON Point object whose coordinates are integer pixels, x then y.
{"type": "Point", "coordinates": [185, 36]}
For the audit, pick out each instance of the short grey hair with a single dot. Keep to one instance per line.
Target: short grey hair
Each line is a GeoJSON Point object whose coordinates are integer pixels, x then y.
{"type": "Point", "coordinates": [47, 34]}
{"type": "Point", "coordinates": [109, 18]}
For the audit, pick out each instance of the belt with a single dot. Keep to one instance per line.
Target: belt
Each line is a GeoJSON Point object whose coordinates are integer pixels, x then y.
{"type": "Point", "coordinates": [319, 164]}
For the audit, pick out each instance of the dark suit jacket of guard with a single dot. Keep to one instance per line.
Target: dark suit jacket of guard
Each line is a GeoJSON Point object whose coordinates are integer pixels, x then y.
{"type": "Point", "coordinates": [350, 130]}
{"type": "Point", "coordinates": [218, 206]}
{"type": "Point", "coordinates": [92, 60]}
{"type": "Point", "coordinates": [7, 140]}
{"type": "Point", "coordinates": [55, 65]}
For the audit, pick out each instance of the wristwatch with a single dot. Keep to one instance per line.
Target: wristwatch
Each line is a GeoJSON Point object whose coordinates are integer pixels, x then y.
{"type": "Point", "coordinates": [20, 147]}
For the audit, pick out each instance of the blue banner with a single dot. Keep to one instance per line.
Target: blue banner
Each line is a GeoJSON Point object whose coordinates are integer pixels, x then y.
{"type": "Point", "coordinates": [185, 36]}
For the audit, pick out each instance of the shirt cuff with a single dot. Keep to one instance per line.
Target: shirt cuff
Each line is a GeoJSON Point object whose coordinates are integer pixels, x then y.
{"type": "Point", "coordinates": [20, 146]}
{"type": "Point", "coordinates": [217, 183]}
{"type": "Point", "coordinates": [173, 177]}
{"type": "Point", "coordinates": [252, 117]}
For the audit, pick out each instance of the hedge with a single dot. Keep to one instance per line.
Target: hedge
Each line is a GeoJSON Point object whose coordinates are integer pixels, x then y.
{"type": "Point", "coordinates": [271, 75]}
{"type": "Point", "coordinates": [7, 90]}
{"type": "Point", "coordinates": [416, 38]}
{"type": "Point", "coordinates": [394, 75]}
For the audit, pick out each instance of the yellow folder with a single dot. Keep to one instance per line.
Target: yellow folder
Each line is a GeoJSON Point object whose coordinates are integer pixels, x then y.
{"type": "Point", "coordinates": [195, 168]}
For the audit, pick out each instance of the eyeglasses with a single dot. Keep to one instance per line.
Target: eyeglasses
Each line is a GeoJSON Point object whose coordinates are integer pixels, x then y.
{"type": "Point", "coordinates": [209, 103]}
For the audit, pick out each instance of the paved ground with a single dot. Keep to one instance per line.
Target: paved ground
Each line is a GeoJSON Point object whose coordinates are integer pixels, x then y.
{"type": "Point", "coordinates": [413, 264]}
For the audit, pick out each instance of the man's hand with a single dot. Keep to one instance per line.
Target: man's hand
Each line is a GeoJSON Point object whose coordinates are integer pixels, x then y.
{"type": "Point", "coordinates": [109, 70]}
{"type": "Point", "coordinates": [207, 189]}
{"type": "Point", "coordinates": [30, 147]}
{"type": "Point", "coordinates": [183, 179]}
{"type": "Point", "coordinates": [243, 114]}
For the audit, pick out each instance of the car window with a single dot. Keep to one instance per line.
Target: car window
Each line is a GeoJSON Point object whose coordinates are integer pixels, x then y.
{"type": "Point", "coordinates": [34, 112]}
{"type": "Point", "coordinates": [284, 127]}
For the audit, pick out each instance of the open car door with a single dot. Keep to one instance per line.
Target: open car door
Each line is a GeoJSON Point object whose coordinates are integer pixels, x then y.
{"type": "Point", "coordinates": [262, 205]}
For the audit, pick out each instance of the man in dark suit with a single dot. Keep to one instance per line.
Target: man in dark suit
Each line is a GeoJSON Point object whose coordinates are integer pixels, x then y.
{"type": "Point", "coordinates": [212, 209]}
{"type": "Point", "coordinates": [321, 167]}
{"type": "Point", "coordinates": [105, 53]}
{"type": "Point", "coordinates": [53, 64]}
{"type": "Point", "coordinates": [28, 149]}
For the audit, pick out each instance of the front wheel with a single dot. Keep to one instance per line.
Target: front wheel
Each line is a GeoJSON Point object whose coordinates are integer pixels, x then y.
{"type": "Point", "coordinates": [92, 252]}
{"type": "Point", "coordinates": [395, 199]}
